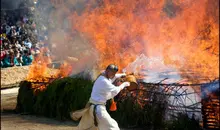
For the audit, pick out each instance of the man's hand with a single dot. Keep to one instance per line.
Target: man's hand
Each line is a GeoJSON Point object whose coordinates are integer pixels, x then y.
{"type": "Point", "coordinates": [123, 75]}
{"type": "Point", "coordinates": [126, 84]}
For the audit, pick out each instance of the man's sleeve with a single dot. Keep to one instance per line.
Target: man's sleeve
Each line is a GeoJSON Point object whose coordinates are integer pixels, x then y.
{"type": "Point", "coordinates": [112, 89]}
{"type": "Point", "coordinates": [118, 76]}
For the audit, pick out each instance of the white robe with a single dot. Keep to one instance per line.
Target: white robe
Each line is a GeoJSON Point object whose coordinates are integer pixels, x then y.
{"type": "Point", "coordinates": [103, 90]}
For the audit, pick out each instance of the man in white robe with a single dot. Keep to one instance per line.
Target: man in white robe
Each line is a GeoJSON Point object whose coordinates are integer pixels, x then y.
{"type": "Point", "coordinates": [103, 90]}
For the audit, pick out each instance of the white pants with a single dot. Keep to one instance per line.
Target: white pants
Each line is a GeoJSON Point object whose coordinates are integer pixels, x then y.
{"type": "Point", "coordinates": [105, 122]}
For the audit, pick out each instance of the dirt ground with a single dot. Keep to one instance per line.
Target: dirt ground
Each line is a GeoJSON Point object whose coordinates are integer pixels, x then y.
{"type": "Point", "coordinates": [10, 120]}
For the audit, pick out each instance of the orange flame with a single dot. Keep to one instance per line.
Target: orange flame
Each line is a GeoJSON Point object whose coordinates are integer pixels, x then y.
{"type": "Point", "coordinates": [183, 32]}
{"type": "Point", "coordinates": [39, 66]}
{"type": "Point", "coordinates": [39, 74]}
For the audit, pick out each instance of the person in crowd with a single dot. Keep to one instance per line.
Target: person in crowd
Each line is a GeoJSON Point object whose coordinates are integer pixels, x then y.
{"type": "Point", "coordinates": [19, 34]}
{"type": "Point", "coordinates": [27, 58]}
{"type": "Point", "coordinates": [3, 55]}
{"type": "Point", "coordinates": [28, 43]}
{"type": "Point", "coordinates": [18, 57]}
{"type": "Point", "coordinates": [10, 59]}
{"type": "Point", "coordinates": [17, 45]}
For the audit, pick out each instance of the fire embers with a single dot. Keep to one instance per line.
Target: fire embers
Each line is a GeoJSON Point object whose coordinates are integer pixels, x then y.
{"type": "Point", "coordinates": [40, 84]}
{"type": "Point", "coordinates": [211, 105]}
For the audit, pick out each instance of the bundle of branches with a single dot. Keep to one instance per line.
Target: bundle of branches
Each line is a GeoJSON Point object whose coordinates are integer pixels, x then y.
{"type": "Point", "coordinates": [26, 98]}
{"type": "Point", "coordinates": [63, 96]}
{"type": "Point", "coordinates": [60, 97]}
{"type": "Point", "coordinates": [68, 94]}
{"type": "Point", "coordinates": [136, 109]}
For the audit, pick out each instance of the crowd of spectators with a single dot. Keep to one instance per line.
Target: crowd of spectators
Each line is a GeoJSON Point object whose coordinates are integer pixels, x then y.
{"type": "Point", "coordinates": [25, 30]}
{"type": "Point", "coordinates": [20, 41]}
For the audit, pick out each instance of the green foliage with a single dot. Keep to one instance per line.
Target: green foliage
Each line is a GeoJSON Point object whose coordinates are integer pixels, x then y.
{"type": "Point", "coordinates": [183, 122]}
{"type": "Point", "coordinates": [131, 114]}
{"type": "Point", "coordinates": [26, 98]}
{"type": "Point", "coordinates": [61, 97]}
{"type": "Point", "coordinates": [69, 94]}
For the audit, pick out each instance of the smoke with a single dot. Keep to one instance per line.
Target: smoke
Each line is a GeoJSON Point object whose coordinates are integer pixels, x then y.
{"type": "Point", "coordinates": [10, 4]}
{"type": "Point", "coordinates": [65, 44]}
{"type": "Point", "coordinates": [209, 88]}
{"type": "Point", "coordinates": [54, 26]}
{"type": "Point", "coordinates": [153, 70]}
{"type": "Point", "coordinates": [158, 39]}
{"type": "Point", "coordinates": [171, 9]}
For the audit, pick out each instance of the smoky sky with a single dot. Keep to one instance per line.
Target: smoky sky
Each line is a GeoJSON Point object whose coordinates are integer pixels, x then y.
{"type": "Point", "coordinates": [10, 4]}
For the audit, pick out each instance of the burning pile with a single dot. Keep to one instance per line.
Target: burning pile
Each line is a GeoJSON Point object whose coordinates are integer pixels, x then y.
{"type": "Point", "coordinates": [40, 75]}
{"type": "Point", "coordinates": [122, 30]}
{"type": "Point", "coordinates": [185, 42]}
{"type": "Point", "coordinates": [211, 105]}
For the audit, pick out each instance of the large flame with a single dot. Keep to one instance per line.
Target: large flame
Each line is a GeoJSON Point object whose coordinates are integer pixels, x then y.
{"type": "Point", "coordinates": [40, 75]}
{"type": "Point", "coordinates": [183, 32]}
